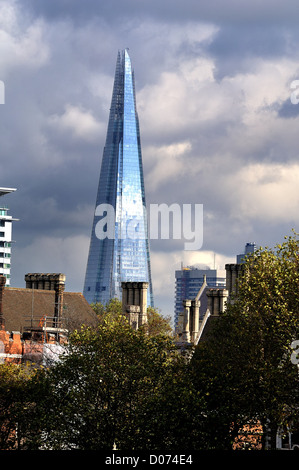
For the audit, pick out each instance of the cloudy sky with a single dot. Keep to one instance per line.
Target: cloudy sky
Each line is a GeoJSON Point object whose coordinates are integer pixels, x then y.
{"type": "Point", "coordinates": [218, 126]}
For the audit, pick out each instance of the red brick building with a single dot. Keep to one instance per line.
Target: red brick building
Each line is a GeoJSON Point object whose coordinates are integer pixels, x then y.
{"type": "Point", "coordinates": [42, 313]}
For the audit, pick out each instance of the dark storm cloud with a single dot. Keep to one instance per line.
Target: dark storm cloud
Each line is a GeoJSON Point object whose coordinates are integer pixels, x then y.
{"type": "Point", "coordinates": [236, 44]}
{"type": "Point", "coordinates": [289, 110]}
{"type": "Point", "coordinates": [217, 11]}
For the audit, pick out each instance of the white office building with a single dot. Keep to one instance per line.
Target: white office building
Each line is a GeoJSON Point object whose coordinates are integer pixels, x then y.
{"type": "Point", "coordinates": [188, 281]}
{"type": "Point", "coordinates": [5, 237]}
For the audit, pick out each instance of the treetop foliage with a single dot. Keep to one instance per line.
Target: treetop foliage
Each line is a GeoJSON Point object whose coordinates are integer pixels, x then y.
{"type": "Point", "coordinates": [133, 390]}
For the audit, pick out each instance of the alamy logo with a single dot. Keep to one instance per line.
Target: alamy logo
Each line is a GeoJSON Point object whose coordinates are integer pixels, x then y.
{"type": "Point", "coordinates": [164, 222]}
{"type": "Point", "coordinates": [294, 94]}
{"type": "Point", "coordinates": [2, 92]}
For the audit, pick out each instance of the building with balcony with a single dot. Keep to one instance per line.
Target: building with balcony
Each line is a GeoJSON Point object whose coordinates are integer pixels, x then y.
{"type": "Point", "coordinates": [5, 237]}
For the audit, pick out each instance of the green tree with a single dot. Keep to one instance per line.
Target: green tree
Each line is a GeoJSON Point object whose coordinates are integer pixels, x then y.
{"type": "Point", "coordinates": [20, 422]}
{"type": "Point", "coordinates": [245, 368]}
{"type": "Point", "coordinates": [109, 312]}
{"type": "Point", "coordinates": [119, 387]}
{"type": "Point", "coordinates": [157, 323]}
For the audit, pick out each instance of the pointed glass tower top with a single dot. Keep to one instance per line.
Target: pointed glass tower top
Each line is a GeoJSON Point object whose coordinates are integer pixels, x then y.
{"type": "Point", "coordinates": [119, 246]}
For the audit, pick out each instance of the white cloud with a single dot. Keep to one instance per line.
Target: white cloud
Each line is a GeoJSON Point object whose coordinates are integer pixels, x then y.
{"type": "Point", "coordinates": [80, 123]}
{"type": "Point", "coordinates": [181, 99]}
{"type": "Point", "coordinates": [22, 43]}
{"type": "Point", "coordinates": [167, 163]}
{"type": "Point", "coordinates": [268, 192]}
{"type": "Point", "coordinates": [191, 98]}
{"type": "Point", "coordinates": [267, 84]}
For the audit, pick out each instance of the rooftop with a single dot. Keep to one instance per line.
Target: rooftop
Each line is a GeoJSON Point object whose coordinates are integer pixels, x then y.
{"type": "Point", "coordinates": [22, 305]}
{"type": "Point", "coordinates": [4, 191]}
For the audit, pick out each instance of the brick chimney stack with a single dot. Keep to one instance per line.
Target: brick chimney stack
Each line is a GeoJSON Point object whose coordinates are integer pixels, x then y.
{"type": "Point", "coordinates": [134, 303]}
{"type": "Point", "coordinates": [59, 290]}
{"type": "Point", "coordinates": [49, 281]}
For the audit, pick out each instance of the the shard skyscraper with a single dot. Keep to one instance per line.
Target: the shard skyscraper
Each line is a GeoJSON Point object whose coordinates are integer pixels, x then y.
{"type": "Point", "coordinates": [119, 245]}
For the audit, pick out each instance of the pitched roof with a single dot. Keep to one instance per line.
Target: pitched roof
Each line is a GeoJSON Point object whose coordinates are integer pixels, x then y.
{"type": "Point", "coordinates": [20, 305]}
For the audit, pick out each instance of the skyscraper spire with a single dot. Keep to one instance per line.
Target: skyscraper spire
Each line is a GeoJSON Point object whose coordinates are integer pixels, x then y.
{"type": "Point", "coordinates": [119, 246]}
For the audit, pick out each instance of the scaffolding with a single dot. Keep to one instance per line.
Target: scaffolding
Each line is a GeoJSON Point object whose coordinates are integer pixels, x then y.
{"type": "Point", "coordinates": [41, 329]}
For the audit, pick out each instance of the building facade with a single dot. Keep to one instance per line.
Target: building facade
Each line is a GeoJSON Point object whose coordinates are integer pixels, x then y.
{"type": "Point", "coordinates": [35, 321]}
{"type": "Point", "coordinates": [188, 281]}
{"type": "Point", "coordinates": [5, 237]}
{"type": "Point", "coordinates": [250, 248]}
{"type": "Point", "coordinates": [119, 245]}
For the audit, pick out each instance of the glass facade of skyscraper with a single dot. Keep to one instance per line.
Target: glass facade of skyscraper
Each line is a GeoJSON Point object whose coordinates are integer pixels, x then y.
{"type": "Point", "coordinates": [119, 245]}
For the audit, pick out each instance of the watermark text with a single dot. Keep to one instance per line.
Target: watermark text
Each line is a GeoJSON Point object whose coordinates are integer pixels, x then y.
{"type": "Point", "coordinates": [165, 222]}
{"type": "Point", "coordinates": [295, 94]}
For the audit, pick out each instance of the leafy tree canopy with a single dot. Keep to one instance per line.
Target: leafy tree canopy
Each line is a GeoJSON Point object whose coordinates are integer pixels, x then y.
{"type": "Point", "coordinates": [245, 367]}
{"type": "Point", "coordinates": [156, 322]}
